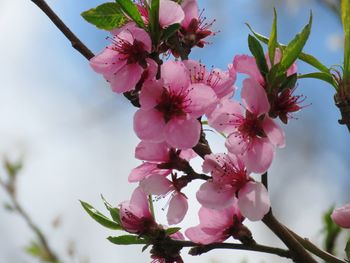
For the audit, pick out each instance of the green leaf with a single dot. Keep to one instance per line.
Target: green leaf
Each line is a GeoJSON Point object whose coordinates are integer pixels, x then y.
{"type": "Point", "coordinates": [106, 16]}
{"type": "Point", "coordinates": [319, 75]}
{"type": "Point", "coordinates": [289, 82]}
{"type": "Point", "coordinates": [127, 240]}
{"type": "Point", "coordinates": [258, 52]}
{"type": "Point", "coordinates": [294, 48]}
{"type": "Point", "coordinates": [345, 16]}
{"type": "Point", "coordinates": [273, 44]}
{"type": "Point", "coordinates": [13, 168]}
{"type": "Point", "coordinates": [172, 230]}
{"type": "Point", "coordinates": [131, 10]}
{"type": "Point", "coordinates": [347, 249]}
{"type": "Point", "coordinates": [154, 21]}
{"type": "Point", "coordinates": [170, 31]}
{"type": "Point", "coordinates": [307, 58]}
{"type": "Point", "coordinates": [99, 217]}
{"type": "Point", "coordinates": [115, 213]}
{"type": "Point", "coordinates": [331, 231]}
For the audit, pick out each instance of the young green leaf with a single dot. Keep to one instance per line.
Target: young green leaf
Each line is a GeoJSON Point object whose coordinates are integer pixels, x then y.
{"type": "Point", "coordinates": [106, 16]}
{"type": "Point", "coordinates": [170, 31]}
{"type": "Point", "coordinates": [258, 53]}
{"type": "Point", "coordinates": [273, 44]}
{"type": "Point", "coordinates": [289, 82]}
{"type": "Point", "coordinates": [172, 230]}
{"type": "Point", "coordinates": [347, 249]}
{"type": "Point", "coordinates": [294, 48]}
{"type": "Point", "coordinates": [112, 210]}
{"type": "Point", "coordinates": [345, 16]}
{"type": "Point", "coordinates": [321, 76]}
{"type": "Point", "coordinates": [307, 58]}
{"type": "Point", "coordinates": [127, 240]}
{"type": "Point", "coordinates": [131, 10]}
{"type": "Point", "coordinates": [331, 230]}
{"type": "Point", "coordinates": [154, 20]}
{"type": "Point", "coordinates": [99, 217]}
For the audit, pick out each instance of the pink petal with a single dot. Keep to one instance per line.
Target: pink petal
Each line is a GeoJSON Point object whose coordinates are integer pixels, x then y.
{"type": "Point", "coordinates": [223, 117]}
{"type": "Point", "coordinates": [182, 133]}
{"type": "Point", "coordinates": [235, 144]}
{"type": "Point", "coordinates": [190, 8]}
{"type": "Point", "coordinates": [142, 171]}
{"type": "Point", "coordinates": [170, 13]}
{"type": "Point", "coordinates": [215, 196]}
{"type": "Point", "coordinates": [125, 78]}
{"type": "Point", "coordinates": [149, 125]}
{"type": "Point", "coordinates": [216, 219]}
{"type": "Point", "coordinates": [152, 152]}
{"type": "Point", "coordinates": [259, 156]}
{"type": "Point", "coordinates": [139, 199]}
{"type": "Point", "coordinates": [274, 132]}
{"type": "Point", "coordinates": [177, 210]}
{"type": "Point", "coordinates": [202, 97]}
{"type": "Point", "coordinates": [197, 235]}
{"type": "Point", "coordinates": [341, 216]}
{"type": "Point", "coordinates": [142, 36]}
{"type": "Point", "coordinates": [247, 65]}
{"type": "Point", "coordinates": [188, 154]}
{"type": "Point", "coordinates": [156, 184]}
{"type": "Point", "coordinates": [254, 201]}
{"type": "Point", "coordinates": [175, 75]}
{"type": "Point", "coordinates": [150, 94]}
{"type": "Point", "coordinates": [107, 62]}
{"type": "Point", "coordinates": [254, 97]}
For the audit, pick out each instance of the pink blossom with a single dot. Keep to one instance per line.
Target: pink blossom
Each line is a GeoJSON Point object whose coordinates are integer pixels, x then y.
{"type": "Point", "coordinates": [220, 81]}
{"type": "Point", "coordinates": [125, 60]}
{"type": "Point", "coordinates": [216, 225]}
{"type": "Point", "coordinates": [341, 216]}
{"type": "Point", "coordinates": [231, 179]}
{"type": "Point", "coordinates": [170, 108]}
{"type": "Point", "coordinates": [170, 12]}
{"type": "Point", "coordinates": [135, 215]}
{"type": "Point", "coordinates": [253, 135]}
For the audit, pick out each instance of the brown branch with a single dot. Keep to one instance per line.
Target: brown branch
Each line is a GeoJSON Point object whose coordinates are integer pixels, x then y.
{"type": "Point", "coordinates": [75, 41]}
{"type": "Point", "coordinates": [299, 253]}
{"type": "Point", "coordinates": [198, 249]}
{"type": "Point", "coordinates": [307, 244]}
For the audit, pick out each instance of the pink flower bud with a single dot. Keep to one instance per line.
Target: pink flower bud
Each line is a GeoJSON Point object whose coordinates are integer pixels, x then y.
{"type": "Point", "coordinates": [341, 216]}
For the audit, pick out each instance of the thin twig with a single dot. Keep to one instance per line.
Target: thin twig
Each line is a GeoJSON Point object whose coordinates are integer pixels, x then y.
{"type": "Point", "coordinates": [75, 41]}
{"type": "Point", "coordinates": [198, 249]}
{"type": "Point", "coordinates": [307, 244]}
{"type": "Point", "coordinates": [300, 254]}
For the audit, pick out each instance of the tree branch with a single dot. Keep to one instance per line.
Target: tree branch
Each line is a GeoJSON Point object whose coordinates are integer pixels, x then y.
{"type": "Point", "coordinates": [307, 244]}
{"type": "Point", "coordinates": [198, 249]}
{"type": "Point", "coordinates": [299, 253]}
{"type": "Point", "coordinates": [75, 41]}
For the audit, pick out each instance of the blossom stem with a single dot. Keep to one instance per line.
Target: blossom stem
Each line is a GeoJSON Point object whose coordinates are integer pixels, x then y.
{"type": "Point", "coordinates": [16, 206]}
{"type": "Point", "coordinates": [75, 41]}
{"type": "Point", "coordinates": [307, 244]}
{"type": "Point", "coordinates": [299, 253]}
{"type": "Point", "coordinates": [264, 180]}
{"type": "Point", "coordinates": [198, 249]}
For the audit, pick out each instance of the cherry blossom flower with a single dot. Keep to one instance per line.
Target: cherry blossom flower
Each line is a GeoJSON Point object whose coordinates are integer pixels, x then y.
{"type": "Point", "coordinates": [254, 135]}
{"type": "Point", "coordinates": [341, 216]}
{"type": "Point", "coordinates": [194, 29]}
{"type": "Point", "coordinates": [125, 60]}
{"type": "Point", "coordinates": [283, 102]}
{"type": "Point", "coordinates": [216, 225]}
{"type": "Point", "coordinates": [135, 215]}
{"type": "Point", "coordinates": [222, 82]}
{"type": "Point", "coordinates": [170, 12]}
{"type": "Point", "coordinates": [231, 179]}
{"type": "Point", "coordinates": [170, 108]}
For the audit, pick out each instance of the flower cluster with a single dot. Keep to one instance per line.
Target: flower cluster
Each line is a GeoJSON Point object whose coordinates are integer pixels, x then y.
{"type": "Point", "coordinates": [174, 98]}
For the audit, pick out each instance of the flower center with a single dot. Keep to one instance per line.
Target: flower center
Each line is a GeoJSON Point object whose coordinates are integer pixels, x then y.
{"type": "Point", "coordinates": [172, 104]}
{"type": "Point", "coordinates": [250, 127]}
{"type": "Point", "coordinates": [133, 53]}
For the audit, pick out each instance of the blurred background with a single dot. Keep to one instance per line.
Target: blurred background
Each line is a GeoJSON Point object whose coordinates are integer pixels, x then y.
{"type": "Point", "coordinates": [76, 138]}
